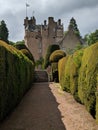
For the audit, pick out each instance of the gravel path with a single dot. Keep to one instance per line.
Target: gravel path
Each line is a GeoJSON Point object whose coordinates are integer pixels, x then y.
{"type": "Point", "coordinates": [37, 111]}
{"type": "Point", "coordinates": [75, 116]}
{"type": "Point", "coordinates": [46, 107]}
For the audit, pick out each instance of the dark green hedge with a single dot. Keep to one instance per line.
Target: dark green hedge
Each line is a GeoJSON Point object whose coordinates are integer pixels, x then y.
{"type": "Point", "coordinates": [16, 76]}
{"type": "Point", "coordinates": [57, 55]}
{"type": "Point", "coordinates": [88, 78]}
{"type": "Point", "coordinates": [50, 49]}
{"type": "Point", "coordinates": [78, 74]}
{"type": "Point", "coordinates": [24, 50]}
{"type": "Point", "coordinates": [74, 73]}
{"type": "Point", "coordinates": [61, 70]}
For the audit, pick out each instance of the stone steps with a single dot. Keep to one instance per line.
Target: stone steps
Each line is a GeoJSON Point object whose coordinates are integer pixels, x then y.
{"type": "Point", "coordinates": [41, 76]}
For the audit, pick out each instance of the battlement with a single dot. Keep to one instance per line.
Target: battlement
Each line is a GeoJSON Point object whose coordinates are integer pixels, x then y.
{"type": "Point", "coordinates": [52, 26]}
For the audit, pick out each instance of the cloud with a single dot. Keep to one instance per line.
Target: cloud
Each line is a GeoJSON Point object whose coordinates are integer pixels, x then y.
{"type": "Point", "coordinates": [14, 12]}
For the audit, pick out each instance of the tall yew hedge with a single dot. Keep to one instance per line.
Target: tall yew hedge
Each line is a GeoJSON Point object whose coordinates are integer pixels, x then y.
{"type": "Point", "coordinates": [88, 78]}
{"type": "Point", "coordinates": [16, 76]}
{"type": "Point", "coordinates": [78, 74]}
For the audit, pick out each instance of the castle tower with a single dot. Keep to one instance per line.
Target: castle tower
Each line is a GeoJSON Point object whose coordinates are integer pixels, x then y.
{"type": "Point", "coordinates": [39, 37]}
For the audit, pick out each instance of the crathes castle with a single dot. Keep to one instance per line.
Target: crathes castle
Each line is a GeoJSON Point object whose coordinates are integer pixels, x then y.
{"type": "Point", "coordinates": [39, 37]}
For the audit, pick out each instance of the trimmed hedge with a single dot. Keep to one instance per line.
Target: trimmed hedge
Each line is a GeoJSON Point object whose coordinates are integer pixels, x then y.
{"type": "Point", "coordinates": [25, 51]}
{"type": "Point", "coordinates": [28, 54]}
{"type": "Point", "coordinates": [78, 74]}
{"type": "Point", "coordinates": [57, 55]}
{"type": "Point", "coordinates": [54, 58]}
{"type": "Point", "coordinates": [74, 73]}
{"type": "Point", "coordinates": [97, 106]}
{"type": "Point", "coordinates": [54, 66]}
{"type": "Point", "coordinates": [50, 50]}
{"type": "Point", "coordinates": [16, 76]}
{"type": "Point", "coordinates": [66, 78]}
{"type": "Point", "coordinates": [68, 72]}
{"type": "Point", "coordinates": [61, 70]}
{"type": "Point", "coordinates": [88, 78]}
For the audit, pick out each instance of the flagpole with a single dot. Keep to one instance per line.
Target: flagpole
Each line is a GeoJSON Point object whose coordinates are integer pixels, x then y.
{"type": "Point", "coordinates": [27, 5]}
{"type": "Point", "coordinates": [26, 9]}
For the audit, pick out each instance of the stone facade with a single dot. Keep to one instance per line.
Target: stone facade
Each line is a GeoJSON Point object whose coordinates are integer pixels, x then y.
{"type": "Point", "coordinates": [70, 41]}
{"type": "Point", "coordinates": [39, 37]}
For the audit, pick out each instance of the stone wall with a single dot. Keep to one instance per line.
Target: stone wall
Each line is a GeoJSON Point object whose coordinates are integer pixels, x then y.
{"type": "Point", "coordinates": [70, 41]}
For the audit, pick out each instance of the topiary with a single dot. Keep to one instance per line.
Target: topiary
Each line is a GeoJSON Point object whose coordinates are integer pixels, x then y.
{"type": "Point", "coordinates": [20, 46]}
{"type": "Point", "coordinates": [74, 73]}
{"type": "Point", "coordinates": [16, 74]}
{"type": "Point", "coordinates": [50, 49]}
{"type": "Point", "coordinates": [61, 70]}
{"type": "Point", "coordinates": [57, 55]}
{"type": "Point", "coordinates": [28, 54]}
{"type": "Point", "coordinates": [87, 78]}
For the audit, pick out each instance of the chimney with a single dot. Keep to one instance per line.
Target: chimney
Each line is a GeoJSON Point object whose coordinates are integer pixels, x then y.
{"type": "Point", "coordinates": [26, 22]}
{"type": "Point", "coordinates": [50, 20]}
{"type": "Point", "coordinates": [59, 22]}
{"type": "Point", "coordinates": [45, 22]}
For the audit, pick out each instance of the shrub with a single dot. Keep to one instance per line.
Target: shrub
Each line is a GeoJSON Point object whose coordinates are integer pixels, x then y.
{"type": "Point", "coordinates": [64, 73]}
{"type": "Point", "coordinates": [74, 73]}
{"type": "Point", "coordinates": [66, 83]}
{"type": "Point", "coordinates": [22, 47]}
{"type": "Point", "coordinates": [50, 49]}
{"type": "Point", "coordinates": [61, 70]}
{"type": "Point", "coordinates": [97, 106]}
{"type": "Point", "coordinates": [57, 55]}
{"type": "Point", "coordinates": [54, 58]}
{"type": "Point", "coordinates": [16, 76]}
{"type": "Point", "coordinates": [28, 54]}
{"type": "Point", "coordinates": [87, 78]}
{"type": "Point", "coordinates": [54, 66]}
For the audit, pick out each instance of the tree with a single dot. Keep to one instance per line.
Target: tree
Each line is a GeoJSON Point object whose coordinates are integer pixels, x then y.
{"type": "Point", "coordinates": [74, 27]}
{"type": "Point", "coordinates": [3, 31]}
{"type": "Point", "coordinates": [91, 38]}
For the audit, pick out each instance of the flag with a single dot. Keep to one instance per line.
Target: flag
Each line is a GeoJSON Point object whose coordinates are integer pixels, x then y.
{"type": "Point", "coordinates": [27, 5]}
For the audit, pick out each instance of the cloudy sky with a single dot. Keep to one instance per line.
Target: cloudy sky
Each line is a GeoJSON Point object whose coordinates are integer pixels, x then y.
{"type": "Point", "coordinates": [13, 13]}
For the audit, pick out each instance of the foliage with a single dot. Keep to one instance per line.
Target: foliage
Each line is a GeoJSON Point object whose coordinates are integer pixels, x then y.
{"type": "Point", "coordinates": [74, 73]}
{"type": "Point", "coordinates": [61, 70]}
{"type": "Point", "coordinates": [73, 26]}
{"type": "Point", "coordinates": [20, 42]}
{"type": "Point", "coordinates": [57, 55]}
{"type": "Point", "coordinates": [78, 74]}
{"type": "Point", "coordinates": [21, 46]}
{"type": "Point", "coordinates": [91, 38]}
{"type": "Point", "coordinates": [66, 83]}
{"type": "Point", "coordinates": [88, 78]}
{"type": "Point", "coordinates": [39, 62]}
{"type": "Point", "coordinates": [28, 54]}
{"type": "Point", "coordinates": [54, 66]}
{"type": "Point", "coordinates": [72, 51]}
{"type": "Point", "coordinates": [50, 49]}
{"type": "Point", "coordinates": [16, 76]}
{"type": "Point", "coordinates": [64, 73]}
{"type": "Point", "coordinates": [97, 106]}
{"type": "Point", "coordinates": [3, 31]}
{"type": "Point", "coordinates": [11, 43]}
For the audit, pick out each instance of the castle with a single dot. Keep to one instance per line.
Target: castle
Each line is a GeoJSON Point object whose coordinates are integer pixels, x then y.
{"type": "Point", "coordinates": [39, 37]}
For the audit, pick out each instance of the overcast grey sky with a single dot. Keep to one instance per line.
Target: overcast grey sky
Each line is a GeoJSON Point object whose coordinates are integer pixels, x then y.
{"type": "Point", "coordinates": [14, 11]}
